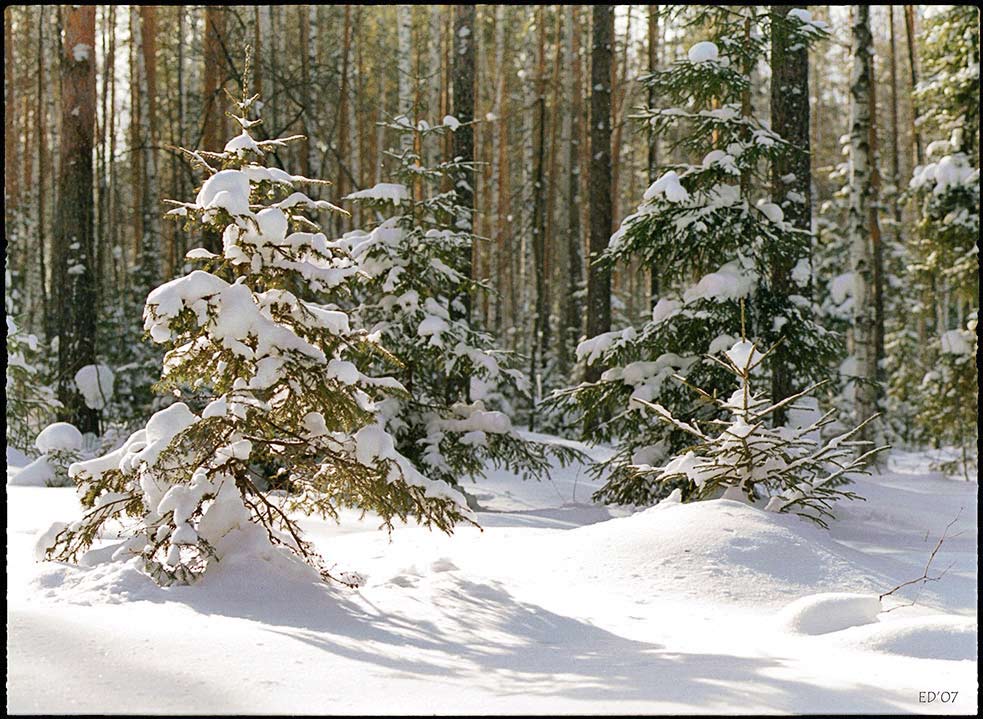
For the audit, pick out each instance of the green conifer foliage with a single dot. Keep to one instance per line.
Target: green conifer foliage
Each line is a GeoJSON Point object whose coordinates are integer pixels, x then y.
{"type": "Point", "coordinates": [456, 418]}
{"type": "Point", "coordinates": [258, 333]}
{"type": "Point", "coordinates": [713, 235]}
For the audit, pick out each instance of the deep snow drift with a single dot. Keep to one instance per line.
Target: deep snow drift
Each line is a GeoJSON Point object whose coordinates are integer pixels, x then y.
{"type": "Point", "coordinates": [559, 605]}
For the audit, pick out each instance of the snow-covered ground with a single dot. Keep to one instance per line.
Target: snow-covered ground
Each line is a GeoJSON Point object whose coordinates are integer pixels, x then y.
{"type": "Point", "coordinates": [557, 606]}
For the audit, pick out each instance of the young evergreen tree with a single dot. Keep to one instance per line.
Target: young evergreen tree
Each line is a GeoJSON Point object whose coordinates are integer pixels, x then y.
{"type": "Point", "coordinates": [456, 418]}
{"type": "Point", "coordinates": [944, 258]}
{"type": "Point", "coordinates": [789, 466]}
{"type": "Point", "coordinates": [259, 334]}
{"type": "Point", "coordinates": [716, 239]}
{"type": "Point", "coordinates": [31, 401]}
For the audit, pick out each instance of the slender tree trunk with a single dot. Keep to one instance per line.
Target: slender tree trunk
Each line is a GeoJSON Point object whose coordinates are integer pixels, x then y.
{"type": "Point", "coordinates": [791, 176]}
{"type": "Point", "coordinates": [213, 135]}
{"type": "Point", "coordinates": [895, 155]}
{"type": "Point", "coordinates": [213, 99]}
{"type": "Point", "coordinates": [303, 21]}
{"type": "Point", "coordinates": [549, 238]}
{"type": "Point", "coordinates": [312, 110]}
{"type": "Point", "coordinates": [860, 198]}
{"type": "Point", "coordinates": [42, 180]}
{"type": "Point", "coordinates": [909, 15]}
{"type": "Point", "coordinates": [404, 68]}
{"type": "Point", "coordinates": [76, 205]}
{"type": "Point", "coordinates": [599, 278]}
{"type": "Point", "coordinates": [507, 293]}
{"type": "Point", "coordinates": [877, 245]}
{"type": "Point", "coordinates": [653, 138]}
{"type": "Point", "coordinates": [464, 80]}
{"type": "Point", "coordinates": [142, 26]}
{"type": "Point", "coordinates": [573, 316]}
{"type": "Point", "coordinates": [10, 139]}
{"type": "Point", "coordinates": [619, 91]}
{"type": "Point", "coordinates": [540, 318]}
{"type": "Point", "coordinates": [343, 119]}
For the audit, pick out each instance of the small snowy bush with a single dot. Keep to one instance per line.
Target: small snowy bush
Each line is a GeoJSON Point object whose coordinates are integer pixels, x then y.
{"type": "Point", "coordinates": [60, 445]}
{"type": "Point", "coordinates": [742, 457]}
{"type": "Point", "coordinates": [258, 333]}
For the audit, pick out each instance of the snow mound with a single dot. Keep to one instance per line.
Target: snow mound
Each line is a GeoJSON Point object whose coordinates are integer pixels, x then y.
{"type": "Point", "coordinates": [935, 637]}
{"type": "Point", "coordinates": [715, 551]}
{"type": "Point", "coordinates": [95, 382]}
{"type": "Point", "coordinates": [703, 52]}
{"type": "Point", "coordinates": [39, 473]}
{"type": "Point", "coordinates": [59, 436]}
{"type": "Point", "coordinates": [830, 612]}
{"type": "Point", "coordinates": [249, 572]}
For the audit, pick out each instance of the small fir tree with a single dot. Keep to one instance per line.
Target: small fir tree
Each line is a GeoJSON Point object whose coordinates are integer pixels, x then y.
{"type": "Point", "coordinates": [790, 467]}
{"type": "Point", "coordinates": [714, 243]}
{"type": "Point", "coordinates": [943, 265]}
{"type": "Point", "coordinates": [31, 401]}
{"type": "Point", "coordinates": [258, 333]}
{"type": "Point", "coordinates": [452, 424]}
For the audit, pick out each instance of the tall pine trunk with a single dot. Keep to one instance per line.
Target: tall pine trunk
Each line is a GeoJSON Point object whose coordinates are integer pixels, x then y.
{"type": "Point", "coordinates": [791, 173]}
{"type": "Point", "coordinates": [74, 225]}
{"type": "Point", "coordinates": [653, 138]}
{"type": "Point", "coordinates": [573, 323]}
{"type": "Point", "coordinates": [540, 313]}
{"type": "Point", "coordinates": [464, 78]}
{"type": "Point", "coordinates": [598, 277]}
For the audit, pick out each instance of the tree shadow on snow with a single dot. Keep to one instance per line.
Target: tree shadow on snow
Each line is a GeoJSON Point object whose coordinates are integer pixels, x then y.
{"type": "Point", "coordinates": [478, 632]}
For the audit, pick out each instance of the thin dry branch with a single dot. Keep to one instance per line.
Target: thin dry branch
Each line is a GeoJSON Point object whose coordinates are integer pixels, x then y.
{"type": "Point", "coordinates": [925, 575]}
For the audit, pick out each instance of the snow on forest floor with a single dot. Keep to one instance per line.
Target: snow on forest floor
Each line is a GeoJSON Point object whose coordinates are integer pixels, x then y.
{"type": "Point", "coordinates": [558, 606]}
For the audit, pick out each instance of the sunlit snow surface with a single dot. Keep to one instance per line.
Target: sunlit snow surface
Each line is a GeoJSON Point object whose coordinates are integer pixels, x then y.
{"type": "Point", "coordinates": [559, 605]}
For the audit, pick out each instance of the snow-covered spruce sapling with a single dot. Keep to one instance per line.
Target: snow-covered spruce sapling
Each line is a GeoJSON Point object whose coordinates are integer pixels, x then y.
{"type": "Point", "coordinates": [416, 260]}
{"type": "Point", "coordinates": [257, 332]}
{"type": "Point", "coordinates": [31, 402]}
{"type": "Point", "coordinates": [714, 238]}
{"type": "Point", "coordinates": [741, 457]}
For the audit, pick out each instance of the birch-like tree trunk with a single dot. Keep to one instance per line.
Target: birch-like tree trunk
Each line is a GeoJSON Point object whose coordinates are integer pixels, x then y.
{"type": "Point", "coordinates": [861, 255]}
{"type": "Point", "coordinates": [877, 245]}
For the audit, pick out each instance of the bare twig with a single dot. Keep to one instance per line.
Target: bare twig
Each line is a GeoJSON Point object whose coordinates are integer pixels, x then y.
{"type": "Point", "coordinates": [928, 565]}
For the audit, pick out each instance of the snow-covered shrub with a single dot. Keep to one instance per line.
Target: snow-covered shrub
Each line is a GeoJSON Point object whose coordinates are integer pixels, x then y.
{"type": "Point", "coordinates": [259, 333]}
{"type": "Point", "coordinates": [948, 398]}
{"type": "Point", "coordinates": [451, 425]}
{"type": "Point", "coordinates": [31, 402]}
{"type": "Point", "coordinates": [933, 365]}
{"type": "Point", "coordinates": [716, 240]}
{"type": "Point", "coordinates": [740, 457]}
{"type": "Point", "coordinates": [59, 445]}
